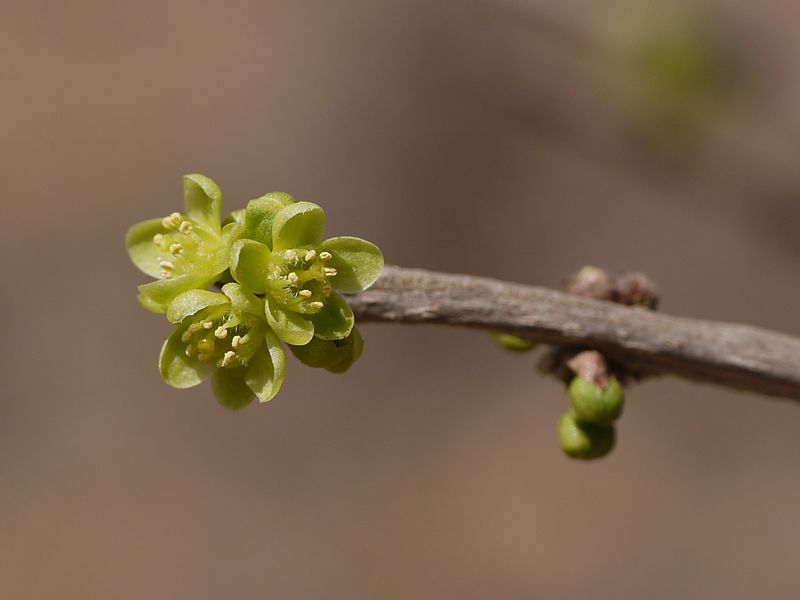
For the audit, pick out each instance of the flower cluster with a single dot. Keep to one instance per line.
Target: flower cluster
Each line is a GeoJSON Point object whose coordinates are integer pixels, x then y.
{"type": "Point", "coordinates": [279, 280]}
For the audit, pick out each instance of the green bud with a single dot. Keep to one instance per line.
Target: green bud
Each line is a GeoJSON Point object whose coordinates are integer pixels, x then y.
{"type": "Point", "coordinates": [584, 441]}
{"type": "Point", "coordinates": [513, 343]}
{"type": "Point", "coordinates": [592, 403]}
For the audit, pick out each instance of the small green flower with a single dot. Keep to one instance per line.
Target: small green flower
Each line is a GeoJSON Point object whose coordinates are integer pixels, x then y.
{"type": "Point", "coordinates": [226, 337]}
{"type": "Point", "coordinates": [593, 403]}
{"type": "Point", "coordinates": [183, 251]}
{"type": "Point", "coordinates": [585, 441]}
{"type": "Point", "coordinates": [285, 258]}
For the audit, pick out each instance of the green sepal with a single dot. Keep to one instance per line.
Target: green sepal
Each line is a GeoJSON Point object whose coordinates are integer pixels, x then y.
{"type": "Point", "coordinates": [202, 200]}
{"type": "Point", "coordinates": [142, 251]}
{"type": "Point", "coordinates": [230, 388]}
{"type": "Point", "coordinates": [243, 300]}
{"type": "Point", "coordinates": [298, 224]}
{"type": "Point", "coordinates": [291, 327]}
{"type": "Point", "coordinates": [592, 403]}
{"type": "Point", "coordinates": [236, 216]}
{"type": "Point", "coordinates": [267, 369]}
{"type": "Point", "coordinates": [177, 369]}
{"type": "Point", "coordinates": [513, 343]}
{"type": "Point", "coordinates": [335, 320]}
{"type": "Point", "coordinates": [358, 263]}
{"type": "Point", "coordinates": [337, 356]}
{"type": "Point", "coordinates": [158, 294]}
{"type": "Point", "coordinates": [260, 214]}
{"type": "Point", "coordinates": [192, 302]}
{"type": "Point", "coordinates": [583, 440]}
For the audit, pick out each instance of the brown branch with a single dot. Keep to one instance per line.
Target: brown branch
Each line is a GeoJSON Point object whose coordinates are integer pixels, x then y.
{"type": "Point", "coordinates": [736, 356]}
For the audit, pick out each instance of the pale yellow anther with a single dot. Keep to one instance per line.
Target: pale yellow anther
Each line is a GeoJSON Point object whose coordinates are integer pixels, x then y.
{"type": "Point", "coordinates": [158, 239]}
{"type": "Point", "coordinates": [207, 324]}
{"type": "Point", "coordinates": [221, 333]}
{"type": "Point", "coordinates": [291, 255]}
{"type": "Point", "coordinates": [176, 249]}
{"type": "Point", "coordinates": [330, 272]}
{"type": "Point", "coordinates": [310, 255]}
{"type": "Point", "coordinates": [171, 221]}
{"type": "Point", "coordinates": [325, 255]}
{"type": "Point", "coordinates": [293, 278]}
{"type": "Point", "coordinates": [227, 358]}
{"type": "Point", "coordinates": [165, 274]}
{"type": "Point", "coordinates": [316, 304]}
{"type": "Point", "coordinates": [185, 228]}
{"type": "Point", "coordinates": [236, 341]}
{"type": "Point", "coordinates": [165, 264]}
{"type": "Point", "coordinates": [305, 293]}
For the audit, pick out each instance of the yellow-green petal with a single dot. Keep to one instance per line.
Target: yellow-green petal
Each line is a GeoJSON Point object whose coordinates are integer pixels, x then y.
{"type": "Point", "coordinates": [358, 263]}
{"type": "Point", "coordinates": [291, 327]}
{"type": "Point", "coordinates": [203, 201]}
{"type": "Point", "coordinates": [192, 302]}
{"type": "Point", "coordinates": [260, 214]}
{"type": "Point", "coordinates": [244, 301]}
{"type": "Point", "coordinates": [230, 388]}
{"type": "Point", "coordinates": [250, 265]}
{"type": "Point", "coordinates": [298, 224]}
{"type": "Point", "coordinates": [158, 294]}
{"type": "Point", "coordinates": [142, 250]}
{"type": "Point", "coordinates": [177, 369]}
{"type": "Point", "coordinates": [267, 369]}
{"type": "Point", "coordinates": [335, 320]}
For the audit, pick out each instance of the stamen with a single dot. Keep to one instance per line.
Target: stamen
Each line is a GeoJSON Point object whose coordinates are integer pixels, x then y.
{"type": "Point", "coordinates": [171, 221]}
{"type": "Point", "coordinates": [291, 255]}
{"type": "Point", "coordinates": [316, 304]}
{"type": "Point", "coordinates": [293, 278]}
{"type": "Point", "coordinates": [165, 264]}
{"type": "Point", "coordinates": [305, 293]}
{"type": "Point", "coordinates": [325, 255]}
{"type": "Point", "coordinates": [227, 358]}
{"type": "Point", "coordinates": [158, 239]}
{"type": "Point", "coordinates": [176, 249]}
{"type": "Point", "coordinates": [310, 255]}
{"type": "Point", "coordinates": [165, 274]}
{"type": "Point", "coordinates": [207, 324]}
{"type": "Point", "coordinates": [221, 333]}
{"type": "Point", "coordinates": [236, 341]}
{"type": "Point", "coordinates": [330, 272]}
{"type": "Point", "coordinates": [190, 350]}
{"type": "Point", "coordinates": [185, 228]}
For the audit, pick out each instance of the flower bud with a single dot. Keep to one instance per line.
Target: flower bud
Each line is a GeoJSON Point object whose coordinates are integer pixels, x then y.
{"type": "Point", "coordinates": [584, 441]}
{"type": "Point", "coordinates": [593, 403]}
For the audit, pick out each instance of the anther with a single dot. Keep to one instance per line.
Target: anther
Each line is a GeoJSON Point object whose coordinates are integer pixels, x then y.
{"type": "Point", "coordinates": [227, 358]}
{"type": "Point", "coordinates": [291, 255]}
{"type": "Point", "coordinates": [171, 221]}
{"type": "Point", "coordinates": [325, 255]}
{"type": "Point", "coordinates": [293, 278]}
{"type": "Point", "coordinates": [185, 228]}
{"type": "Point", "coordinates": [310, 255]}
{"type": "Point", "coordinates": [165, 264]}
{"type": "Point", "coordinates": [165, 274]}
{"type": "Point", "coordinates": [330, 272]}
{"type": "Point", "coordinates": [176, 249]}
{"type": "Point", "coordinates": [221, 333]}
{"type": "Point", "coordinates": [236, 341]}
{"type": "Point", "coordinates": [207, 324]}
{"type": "Point", "coordinates": [305, 293]}
{"type": "Point", "coordinates": [317, 304]}
{"type": "Point", "coordinates": [158, 239]}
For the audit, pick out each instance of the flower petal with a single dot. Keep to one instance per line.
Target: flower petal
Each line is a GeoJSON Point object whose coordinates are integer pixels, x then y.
{"type": "Point", "coordinates": [334, 355]}
{"type": "Point", "coordinates": [230, 388]}
{"type": "Point", "coordinates": [358, 263]}
{"type": "Point", "coordinates": [142, 249]}
{"type": "Point", "coordinates": [298, 224]}
{"type": "Point", "coordinates": [250, 264]}
{"type": "Point", "coordinates": [177, 369]}
{"type": "Point", "coordinates": [267, 369]}
{"type": "Point", "coordinates": [291, 327]}
{"type": "Point", "coordinates": [158, 294]}
{"type": "Point", "coordinates": [192, 302]}
{"type": "Point", "coordinates": [260, 213]}
{"type": "Point", "coordinates": [203, 200]}
{"type": "Point", "coordinates": [335, 321]}
{"type": "Point", "coordinates": [242, 300]}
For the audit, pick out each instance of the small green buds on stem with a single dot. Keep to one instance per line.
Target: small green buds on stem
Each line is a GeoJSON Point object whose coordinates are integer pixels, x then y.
{"type": "Point", "coordinates": [585, 441]}
{"type": "Point", "coordinates": [513, 343]}
{"type": "Point", "coordinates": [280, 281]}
{"type": "Point", "coordinates": [593, 403]}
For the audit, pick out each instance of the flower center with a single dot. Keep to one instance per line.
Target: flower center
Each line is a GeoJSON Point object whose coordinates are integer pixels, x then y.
{"type": "Point", "coordinates": [226, 341]}
{"type": "Point", "coordinates": [299, 280]}
{"type": "Point", "coordinates": [182, 248]}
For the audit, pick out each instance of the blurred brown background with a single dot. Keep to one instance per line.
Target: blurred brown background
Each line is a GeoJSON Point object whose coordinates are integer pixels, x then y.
{"type": "Point", "coordinates": [511, 138]}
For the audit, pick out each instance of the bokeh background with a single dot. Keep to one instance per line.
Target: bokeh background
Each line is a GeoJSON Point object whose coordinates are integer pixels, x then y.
{"type": "Point", "coordinates": [510, 138]}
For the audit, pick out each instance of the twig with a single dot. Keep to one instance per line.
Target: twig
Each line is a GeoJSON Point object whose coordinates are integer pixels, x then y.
{"type": "Point", "coordinates": [736, 356]}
